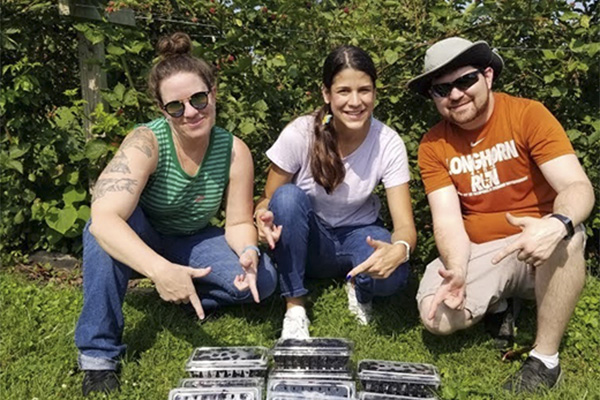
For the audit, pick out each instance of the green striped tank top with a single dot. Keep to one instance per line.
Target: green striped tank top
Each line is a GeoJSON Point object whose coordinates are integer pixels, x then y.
{"type": "Point", "coordinates": [175, 202]}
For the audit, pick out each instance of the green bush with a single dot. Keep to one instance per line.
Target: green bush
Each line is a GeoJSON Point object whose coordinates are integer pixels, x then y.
{"type": "Point", "coordinates": [269, 55]}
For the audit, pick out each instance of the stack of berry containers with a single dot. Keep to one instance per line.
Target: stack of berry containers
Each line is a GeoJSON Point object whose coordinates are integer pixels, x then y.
{"type": "Point", "coordinates": [224, 373]}
{"type": "Point", "coordinates": [391, 380]}
{"type": "Point", "coordinates": [315, 368]}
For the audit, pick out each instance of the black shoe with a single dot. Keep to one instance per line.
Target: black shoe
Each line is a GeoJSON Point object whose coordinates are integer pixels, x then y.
{"type": "Point", "coordinates": [501, 326]}
{"type": "Point", "coordinates": [534, 375]}
{"type": "Point", "coordinates": [101, 381]}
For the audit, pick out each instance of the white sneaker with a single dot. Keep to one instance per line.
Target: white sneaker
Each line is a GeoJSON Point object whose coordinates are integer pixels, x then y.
{"type": "Point", "coordinates": [362, 311]}
{"type": "Point", "coordinates": [295, 324]}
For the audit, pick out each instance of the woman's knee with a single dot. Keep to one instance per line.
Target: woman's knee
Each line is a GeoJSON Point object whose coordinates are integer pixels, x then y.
{"type": "Point", "coordinates": [288, 200]}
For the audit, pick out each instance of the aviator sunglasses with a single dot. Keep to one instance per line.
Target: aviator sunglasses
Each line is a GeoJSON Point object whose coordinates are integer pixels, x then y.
{"type": "Point", "coordinates": [176, 108]}
{"type": "Point", "coordinates": [462, 83]}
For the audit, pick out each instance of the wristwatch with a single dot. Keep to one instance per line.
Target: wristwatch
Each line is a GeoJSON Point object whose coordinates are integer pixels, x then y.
{"type": "Point", "coordinates": [567, 223]}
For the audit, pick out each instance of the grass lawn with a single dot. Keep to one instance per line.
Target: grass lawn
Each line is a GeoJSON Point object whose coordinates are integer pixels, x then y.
{"type": "Point", "coordinates": [38, 356]}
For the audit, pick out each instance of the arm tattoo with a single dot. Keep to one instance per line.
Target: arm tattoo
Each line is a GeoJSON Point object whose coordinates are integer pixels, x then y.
{"type": "Point", "coordinates": [119, 163]}
{"type": "Point", "coordinates": [104, 186]}
{"type": "Point", "coordinates": [142, 139]}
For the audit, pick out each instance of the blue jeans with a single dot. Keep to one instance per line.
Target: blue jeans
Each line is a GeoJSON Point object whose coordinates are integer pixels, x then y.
{"type": "Point", "coordinates": [99, 331]}
{"type": "Point", "coordinates": [309, 247]}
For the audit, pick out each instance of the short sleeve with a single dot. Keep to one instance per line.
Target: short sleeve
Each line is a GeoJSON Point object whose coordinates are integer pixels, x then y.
{"type": "Point", "coordinates": [291, 147]}
{"type": "Point", "coordinates": [434, 172]}
{"type": "Point", "coordinates": [544, 135]}
{"type": "Point", "coordinates": [396, 170]}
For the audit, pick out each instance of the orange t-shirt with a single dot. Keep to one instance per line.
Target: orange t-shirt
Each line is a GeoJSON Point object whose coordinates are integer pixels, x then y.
{"type": "Point", "coordinates": [495, 168]}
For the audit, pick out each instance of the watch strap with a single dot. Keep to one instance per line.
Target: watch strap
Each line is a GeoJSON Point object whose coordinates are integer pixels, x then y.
{"type": "Point", "coordinates": [567, 223]}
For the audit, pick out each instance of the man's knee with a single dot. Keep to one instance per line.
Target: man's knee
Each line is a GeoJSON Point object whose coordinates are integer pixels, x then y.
{"type": "Point", "coordinates": [445, 320]}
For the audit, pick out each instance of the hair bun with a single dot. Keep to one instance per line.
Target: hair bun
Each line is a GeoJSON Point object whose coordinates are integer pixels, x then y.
{"type": "Point", "coordinates": [177, 44]}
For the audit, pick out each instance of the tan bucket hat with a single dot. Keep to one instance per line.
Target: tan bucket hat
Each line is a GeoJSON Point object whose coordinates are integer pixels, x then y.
{"type": "Point", "coordinates": [452, 53]}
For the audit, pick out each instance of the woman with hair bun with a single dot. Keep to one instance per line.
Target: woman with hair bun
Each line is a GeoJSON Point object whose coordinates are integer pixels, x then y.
{"type": "Point", "coordinates": [319, 214]}
{"type": "Point", "coordinates": [151, 212]}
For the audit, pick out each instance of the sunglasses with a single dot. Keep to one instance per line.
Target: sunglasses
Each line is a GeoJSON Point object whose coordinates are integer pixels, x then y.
{"type": "Point", "coordinates": [462, 83]}
{"type": "Point", "coordinates": [176, 108]}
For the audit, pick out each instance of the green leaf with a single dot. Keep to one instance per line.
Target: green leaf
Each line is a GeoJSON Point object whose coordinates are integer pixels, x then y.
{"type": "Point", "coordinates": [548, 54]}
{"type": "Point", "coordinates": [137, 47]}
{"type": "Point", "coordinates": [18, 151]}
{"type": "Point", "coordinates": [19, 218]}
{"type": "Point", "coordinates": [390, 56]}
{"type": "Point", "coordinates": [94, 36]}
{"type": "Point", "coordinates": [119, 91]}
{"type": "Point", "coordinates": [95, 149]}
{"type": "Point", "coordinates": [585, 21]}
{"type": "Point", "coordinates": [115, 50]}
{"type": "Point", "coordinates": [593, 48]}
{"type": "Point", "coordinates": [555, 92]}
{"type": "Point", "coordinates": [593, 138]}
{"type": "Point", "coordinates": [261, 105]}
{"type": "Point", "coordinates": [15, 164]}
{"type": "Point", "coordinates": [569, 15]}
{"type": "Point", "coordinates": [130, 98]}
{"type": "Point", "coordinates": [64, 117]}
{"type": "Point", "coordinates": [73, 195]}
{"type": "Point", "coordinates": [84, 212]}
{"type": "Point", "coordinates": [73, 177]}
{"type": "Point", "coordinates": [573, 134]}
{"type": "Point", "coordinates": [246, 127]}
{"type": "Point", "coordinates": [279, 61]}
{"type": "Point", "coordinates": [61, 220]}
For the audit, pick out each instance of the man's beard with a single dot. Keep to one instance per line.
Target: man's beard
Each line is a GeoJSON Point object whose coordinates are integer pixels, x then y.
{"type": "Point", "coordinates": [474, 111]}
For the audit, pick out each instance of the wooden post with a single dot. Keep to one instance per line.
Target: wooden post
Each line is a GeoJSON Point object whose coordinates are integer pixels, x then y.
{"type": "Point", "coordinates": [91, 56]}
{"type": "Point", "coordinates": [93, 78]}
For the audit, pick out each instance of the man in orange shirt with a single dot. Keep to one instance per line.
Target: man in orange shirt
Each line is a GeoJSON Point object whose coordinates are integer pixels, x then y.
{"type": "Point", "coordinates": [508, 198]}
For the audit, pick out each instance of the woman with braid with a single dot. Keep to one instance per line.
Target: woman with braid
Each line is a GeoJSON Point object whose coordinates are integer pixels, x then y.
{"type": "Point", "coordinates": [319, 214]}
{"type": "Point", "coordinates": [151, 209]}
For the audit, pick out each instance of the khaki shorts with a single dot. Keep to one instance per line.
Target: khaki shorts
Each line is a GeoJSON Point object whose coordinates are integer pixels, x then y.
{"type": "Point", "coordinates": [486, 283]}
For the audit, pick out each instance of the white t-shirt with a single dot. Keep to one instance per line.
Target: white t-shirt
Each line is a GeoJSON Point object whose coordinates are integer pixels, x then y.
{"type": "Point", "coordinates": [380, 157]}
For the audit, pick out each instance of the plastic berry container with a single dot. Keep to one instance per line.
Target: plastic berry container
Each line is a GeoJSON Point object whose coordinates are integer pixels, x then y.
{"type": "Point", "coordinates": [380, 396]}
{"type": "Point", "coordinates": [331, 388]}
{"type": "Point", "coordinates": [228, 362]}
{"type": "Point", "coordinates": [221, 383]}
{"type": "Point", "coordinates": [313, 354]}
{"type": "Point", "coordinates": [292, 396]}
{"type": "Point", "coordinates": [215, 394]}
{"type": "Point", "coordinates": [311, 375]}
{"type": "Point", "coordinates": [413, 380]}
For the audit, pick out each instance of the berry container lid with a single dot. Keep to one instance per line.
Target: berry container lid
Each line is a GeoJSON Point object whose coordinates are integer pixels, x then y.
{"type": "Point", "coordinates": [380, 396]}
{"type": "Point", "coordinates": [234, 372]}
{"type": "Point", "coordinates": [313, 346]}
{"type": "Point", "coordinates": [338, 389]}
{"type": "Point", "coordinates": [228, 357]}
{"type": "Point", "coordinates": [313, 396]}
{"type": "Point", "coordinates": [345, 375]}
{"type": "Point", "coordinates": [378, 370]}
{"type": "Point", "coordinates": [228, 362]}
{"type": "Point", "coordinates": [210, 383]}
{"type": "Point", "coordinates": [215, 394]}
